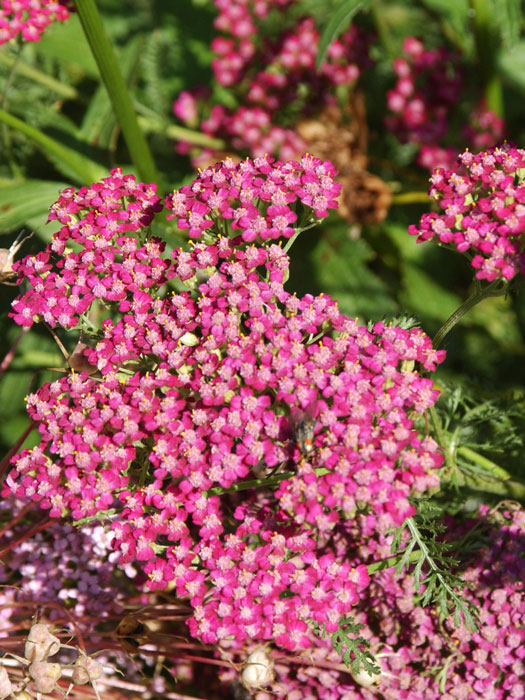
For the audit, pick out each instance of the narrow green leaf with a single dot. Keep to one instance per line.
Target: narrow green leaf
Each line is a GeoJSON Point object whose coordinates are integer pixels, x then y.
{"type": "Point", "coordinates": [76, 165]}
{"type": "Point", "coordinates": [22, 201]}
{"type": "Point", "coordinates": [337, 24]}
{"type": "Point", "coordinates": [118, 93]}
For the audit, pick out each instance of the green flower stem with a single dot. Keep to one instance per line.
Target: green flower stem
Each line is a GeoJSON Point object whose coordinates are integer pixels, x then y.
{"type": "Point", "coordinates": [111, 75]}
{"type": "Point", "coordinates": [410, 198]}
{"type": "Point", "coordinates": [293, 238]}
{"type": "Point", "coordinates": [486, 49]}
{"type": "Point", "coordinates": [180, 133]}
{"type": "Point", "coordinates": [86, 170]}
{"type": "Point", "coordinates": [257, 483]}
{"type": "Point", "coordinates": [494, 289]}
{"type": "Point", "coordinates": [66, 91]}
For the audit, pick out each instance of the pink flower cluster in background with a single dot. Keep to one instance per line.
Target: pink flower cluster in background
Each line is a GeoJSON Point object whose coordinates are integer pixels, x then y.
{"type": "Point", "coordinates": [202, 388]}
{"type": "Point", "coordinates": [423, 101]}
{"type": "Point", "coordinates": [274, 79]}
{"type": "Point", "coordinates": [30, 18]}
{"type": "Point", "coordinates": [483, 205]}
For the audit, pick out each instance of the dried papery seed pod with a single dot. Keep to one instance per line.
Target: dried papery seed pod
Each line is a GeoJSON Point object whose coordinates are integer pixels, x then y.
{"type": "Point", "coordinates": [258, 670]}
{"type": "Point", "coordinates": [45, 675]}
{"type": "Point", "coordinates": [5, 684]}
{"type": "Point", "coordinates": [86, 670]}
{"type": "Point", "coordinates": [40, 643]}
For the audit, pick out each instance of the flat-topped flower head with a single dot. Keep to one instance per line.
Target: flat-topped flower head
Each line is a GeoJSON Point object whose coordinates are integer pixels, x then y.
{"type": "Point", "coordinates": [483, 211]}
{"type": "Point", "coordinates": [217, 377]}
{"type": "Point", "coordinates": [100, 253]}
{"type": "Point", "coordinates": [256, 200]}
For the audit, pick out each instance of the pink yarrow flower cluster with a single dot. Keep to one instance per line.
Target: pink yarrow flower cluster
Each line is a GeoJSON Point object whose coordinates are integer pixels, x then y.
{"type": "Point", "coordinates": [256, 200]}
{"type": "Point", "coordinates": [30, 18]}
{"type": "Point", "coordinates": [111, 264]}
{"type": "Point", "coordinates": [270, 77]}
{"type": "Point", "coordinates": [482, 201]}
{"type": "Point", "coordinates": [199, 392]}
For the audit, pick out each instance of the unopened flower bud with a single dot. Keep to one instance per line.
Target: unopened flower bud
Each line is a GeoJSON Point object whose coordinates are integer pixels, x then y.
{"type": "Point", "coordinates": [45, 675]}
{"type": "Point", "coordinates": [86, 670]}
{"type": "Point", "coordinates": [258, 670]}
{"type": "Point", "coordinates": [366, 679]}
{"type": "Point", "coordinates": [40, 643]}
{"type": "Point", "coordinates": [189, 339]}
{"type": "Point", "coordinates": [5, 684]}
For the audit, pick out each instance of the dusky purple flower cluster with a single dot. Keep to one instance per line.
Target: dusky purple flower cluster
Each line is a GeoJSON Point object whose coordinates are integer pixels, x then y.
{"type": "Point", "coordinates": [429, 82]}
{"type": "Point", "coordinates": [482, 201]}
{"type": "Point", "coordinates": [457, 663]}
{"type": "Point", "coordinates": [70, 568]}
{"type": "Point", "coordinates": [201, 388]}
{"type": "Point", "coordinates": [30, 18]}
{"type": "Point", "coordinates": [273, 78]}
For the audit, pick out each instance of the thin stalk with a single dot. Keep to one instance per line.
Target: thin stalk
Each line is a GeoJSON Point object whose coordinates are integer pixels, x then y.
{"type": "Point", "coordinates": [4, 464]}
{"type": "Point", "coordinates": [180, 133]}
{"type": "Point", "coordinates": [293, 238]}
{"type": "Point", "coordinates": [493, 290]}
{"type": "Point", "coordinates": [6, 136]}
{"type": "Point", "coordinates": [113, 79]}
{"type": "Point", "coordinates": [410, 198]}
{"type": "Point", "coordinates": [487, 464]}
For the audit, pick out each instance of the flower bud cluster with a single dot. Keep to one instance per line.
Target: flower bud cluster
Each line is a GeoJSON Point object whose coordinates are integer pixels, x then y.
{"type": "Point", "coordinates": [30, 18]}
{"type": "Point", "coordinates": [199, 393]}
{"type": "Point", "coordinates": [482, 201]}
{"type": "Point", "coordinates": [275, 79]}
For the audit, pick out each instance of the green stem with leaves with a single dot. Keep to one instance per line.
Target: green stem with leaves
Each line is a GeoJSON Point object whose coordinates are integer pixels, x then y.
{"type": "Point", "coordinates": [494, 289]}
{"type": "Point", "coordinates": [113, 79]}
